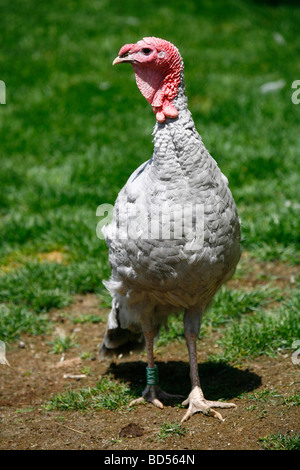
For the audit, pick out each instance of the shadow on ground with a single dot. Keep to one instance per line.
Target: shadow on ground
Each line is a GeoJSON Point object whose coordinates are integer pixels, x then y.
{"type": "Point", "coordinates": [218, 380]}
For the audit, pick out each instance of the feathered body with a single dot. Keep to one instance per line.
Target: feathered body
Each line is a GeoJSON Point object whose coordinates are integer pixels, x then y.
{"type": "Point", "coordinates": [152, 278]}
{"type": "Point", "coordinates": [163, 262]}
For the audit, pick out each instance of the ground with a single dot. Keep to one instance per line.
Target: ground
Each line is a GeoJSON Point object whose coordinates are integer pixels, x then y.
{"type": "Point", "coordinates": [35, 375]}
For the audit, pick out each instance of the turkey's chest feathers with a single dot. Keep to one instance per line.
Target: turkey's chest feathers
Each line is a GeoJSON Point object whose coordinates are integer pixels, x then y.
{"type": "Point", "coordinates": [176, 196]}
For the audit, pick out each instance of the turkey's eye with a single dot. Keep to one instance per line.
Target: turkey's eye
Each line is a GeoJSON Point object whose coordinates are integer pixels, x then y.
{"type": "Point", "coordinates": [146, 51]}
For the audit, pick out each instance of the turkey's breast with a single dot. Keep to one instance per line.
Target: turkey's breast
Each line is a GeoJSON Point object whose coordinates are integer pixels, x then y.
{"type": "Point", "coordinates": [174, 238]}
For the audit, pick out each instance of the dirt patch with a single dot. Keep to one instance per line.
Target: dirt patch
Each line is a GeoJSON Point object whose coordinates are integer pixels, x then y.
{"type": "Point", "coordinates": [131, 430]}
{"type": "Point", "coordinates": [52, 256]}
{"type": "Point", "coordinates": [273, 274]}
{"type": "Point", "coordinates": [35, 375]}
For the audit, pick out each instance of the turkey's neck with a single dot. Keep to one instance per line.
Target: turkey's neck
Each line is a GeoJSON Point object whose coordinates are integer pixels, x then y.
{"type": "Point", "coordinates": [177, 144]}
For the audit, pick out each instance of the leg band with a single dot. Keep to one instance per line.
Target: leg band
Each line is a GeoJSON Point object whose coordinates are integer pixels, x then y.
{"type": "Point", "coordinates": [152, 375]}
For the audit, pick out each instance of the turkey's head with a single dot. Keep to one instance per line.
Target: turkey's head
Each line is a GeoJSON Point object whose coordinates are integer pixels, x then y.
{"type": "Point", "coordinates": [157, 65]}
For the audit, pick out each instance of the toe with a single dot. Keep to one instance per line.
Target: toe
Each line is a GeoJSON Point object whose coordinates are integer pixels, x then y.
{"type": "Point", "coordinates": [215, 414]}
{"type": "Point", "coordinates": [201, 408]}
{"type": "Point", "coordinates": [187, 415]}
{"type": "Point", "coordinates": [137, 401]}
{"type": "Point", "coordinates": [157, 403]}
{"type": "Point", "coordinates": [220, 404]}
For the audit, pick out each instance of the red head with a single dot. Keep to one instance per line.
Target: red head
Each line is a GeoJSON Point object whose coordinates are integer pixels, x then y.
{"type": "Point", "coordinates": [157, 65]}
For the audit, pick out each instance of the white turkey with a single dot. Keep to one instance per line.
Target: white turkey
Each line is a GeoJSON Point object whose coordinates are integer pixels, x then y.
{"type": "Point", "coordinates": [175, 234]}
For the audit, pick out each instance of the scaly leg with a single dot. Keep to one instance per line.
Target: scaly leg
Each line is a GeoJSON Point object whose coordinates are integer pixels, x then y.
{"type": "Point", "coordinates": [196, 400]}
{"type": "Point", "coordinates": [152, 393]}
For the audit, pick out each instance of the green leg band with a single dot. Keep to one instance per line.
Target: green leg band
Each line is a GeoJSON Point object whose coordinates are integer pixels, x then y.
{"type": "Point", "coordinates": [152, 375]}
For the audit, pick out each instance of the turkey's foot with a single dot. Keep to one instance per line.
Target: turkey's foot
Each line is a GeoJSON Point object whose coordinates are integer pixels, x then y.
{"type": "Point", "coordinates": [154, 394]}
{"type": "Point", "coordinates": [197, 403]}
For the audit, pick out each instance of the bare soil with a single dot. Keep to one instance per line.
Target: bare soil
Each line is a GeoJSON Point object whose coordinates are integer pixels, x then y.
{"type": "Point", "coordinates": [35, 375]}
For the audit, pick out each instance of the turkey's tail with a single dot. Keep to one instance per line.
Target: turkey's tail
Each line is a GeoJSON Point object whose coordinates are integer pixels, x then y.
{"type": "Point", "coordinates": [119, 339]}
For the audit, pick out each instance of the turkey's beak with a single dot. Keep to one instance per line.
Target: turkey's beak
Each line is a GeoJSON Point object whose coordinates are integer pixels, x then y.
{"type": "Point", "coordinates": [121, 60]}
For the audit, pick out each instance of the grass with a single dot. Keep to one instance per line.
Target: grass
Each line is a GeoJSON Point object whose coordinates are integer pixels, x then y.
{"type": "Point", "coordinates": [273, 395]}
{"type": "Point", "coordinates": [74, 128]}
{"type": "Point", "coordinates": [281, 442]}
{"type": "Point", "coordinates": [229, 305]}
{"type": "Point", "coordinates": [88, 319]}
{"type": "Point", "coordinates": [263, 333]}
{"type": "Point", "coordinates": [60, 345]}
{"type": "Point", "coordinates": [171, 430]}
{"type": "Point", "coordinates": [15, 319]}
{"type": "Point", "coordinates": [108, 394]}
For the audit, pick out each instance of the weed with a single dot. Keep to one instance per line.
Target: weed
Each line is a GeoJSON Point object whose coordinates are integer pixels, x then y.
{"type": "Point", "coordinates": [171, 429]}
{"type": "Point", "coordinates": [61, 344]}
{"type": "Point", "coordinates": [108, 394]}
{"type": "Point", "coordinates": [281, 442]}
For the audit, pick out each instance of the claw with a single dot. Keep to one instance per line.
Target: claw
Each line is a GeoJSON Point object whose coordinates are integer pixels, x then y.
{"type": "Point", "coordinates": [137, 401]}
{"type": "Point", "coordinates": [197, 403]}
{"type": "Point", "coordinates": [207, 411]}
{"type": "Point", "coordinates": [152, 393]}
{"type": "Point", "coordinates": [157, 403]}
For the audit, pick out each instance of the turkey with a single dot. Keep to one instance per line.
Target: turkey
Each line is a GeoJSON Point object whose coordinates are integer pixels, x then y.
{"type": "Point", "coordinates": [175, 234]}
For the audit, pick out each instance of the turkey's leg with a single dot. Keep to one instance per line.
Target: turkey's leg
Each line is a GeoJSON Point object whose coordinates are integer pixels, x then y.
{"type": "Point", "coordinates": [152, 393]}
{"type": "Point", "coordinates": [196, 400]}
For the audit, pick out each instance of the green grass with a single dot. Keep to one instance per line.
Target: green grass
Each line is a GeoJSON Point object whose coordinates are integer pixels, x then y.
{"type": "Point", "coordinates": [15, 319]}
{"type": "Point", "coordinates": [171, 430]}
{"type": "Point", "coordinates": [273, 396]}
{"type": "Point", "coordinates": [228, 304]}
{"type": "Point", "coordinates": [231, 304]}
{"type": "Point", "coordinates": [74, 128]}
{"type": "Point", "coordinates": [263, 333]}
{"type": "Point", "coordinates": [108, 394]}
{"type": "Point", "coordinates": [60, 345]}
{"type": "Point", "coordinates": [43, 286]}
{"type": "Point", "coordinates": [281, 442]}
{"type": "Point", "coordinates": [88, 319]}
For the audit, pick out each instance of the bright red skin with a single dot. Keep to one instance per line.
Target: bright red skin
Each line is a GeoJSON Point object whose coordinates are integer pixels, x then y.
{"type": "Point", "coordinates": [157, 73]}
